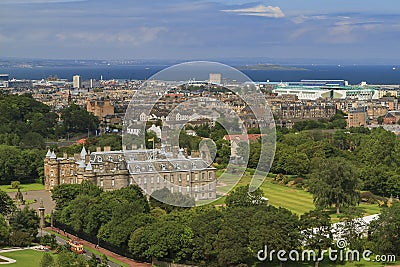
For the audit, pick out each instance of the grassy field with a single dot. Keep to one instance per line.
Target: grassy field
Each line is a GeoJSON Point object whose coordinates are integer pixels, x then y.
{"type": "Point", "coordinates": [24, 187]}
{"type": "Point", "coordinates": [296, 200]}
{"type": "Point", "coordinates": [24, 258]}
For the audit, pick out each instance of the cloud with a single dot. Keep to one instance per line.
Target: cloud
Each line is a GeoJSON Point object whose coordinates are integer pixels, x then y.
{"type": "Point", "coordinates": [141, 36]}
{"type": "Point", "coordinates": [302, 18]}
{"type": "Point", "coordinates": [38, 1]}
{"type": "Point", "coordinates": [259, 11]}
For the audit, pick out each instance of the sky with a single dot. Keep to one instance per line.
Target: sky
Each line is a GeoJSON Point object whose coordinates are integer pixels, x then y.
{"type": "Point", "coordinates": [352, 30]}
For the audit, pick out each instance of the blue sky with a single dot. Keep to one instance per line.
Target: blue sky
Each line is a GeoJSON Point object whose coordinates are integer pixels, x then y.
{"type": "Point", "coordinates": [354, 30]}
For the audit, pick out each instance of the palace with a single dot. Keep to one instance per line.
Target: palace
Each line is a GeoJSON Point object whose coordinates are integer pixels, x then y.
{"type": "Point", "coordinates": [151, 169]}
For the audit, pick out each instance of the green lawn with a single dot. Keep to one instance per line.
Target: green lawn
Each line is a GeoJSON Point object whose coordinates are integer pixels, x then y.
{"type": "Point", "coordinates": [296, 200]}
{"type": "Point", "coordinates": [24, 187]}
{"type": "Point", "coordinates": [24, 258]}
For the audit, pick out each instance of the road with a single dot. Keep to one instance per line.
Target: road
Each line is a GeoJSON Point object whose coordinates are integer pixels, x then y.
{"type": "Point", "coordinates": [87, 254]}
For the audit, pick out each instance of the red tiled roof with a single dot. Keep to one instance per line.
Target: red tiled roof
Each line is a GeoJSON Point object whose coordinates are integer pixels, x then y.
{"type": "Point", "coordinates": [81, 141]}
{"type": "Point", "coordinates": [242, 137]}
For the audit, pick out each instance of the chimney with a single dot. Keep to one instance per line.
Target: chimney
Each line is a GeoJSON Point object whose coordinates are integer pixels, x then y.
{"type": "Point", "coordinates": [107, 149]}
{"type": "Point", "coordinates": [134, 147]}
{"type": "Point", "coordinates": [65, 156]}
{"type": "Point", "coordinates": [87, 159]}
{"type": "Point", "coordinates": [98, 149]}
{"type": "Point", "coordinates": [123, 147]}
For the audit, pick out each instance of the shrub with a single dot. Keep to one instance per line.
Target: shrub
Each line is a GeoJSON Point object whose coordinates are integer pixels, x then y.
{"type": "Point", "coordinates": [15, 184]}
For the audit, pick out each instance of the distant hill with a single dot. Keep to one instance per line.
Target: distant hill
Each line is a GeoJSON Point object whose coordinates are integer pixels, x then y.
{"type": "Point", "coordinates": [268, 67]}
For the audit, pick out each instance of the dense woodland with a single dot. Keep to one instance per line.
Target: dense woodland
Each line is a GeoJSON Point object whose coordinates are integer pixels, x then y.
{"type": "Point", "coordinates": [25, 126]}
{"type": "Point", "coordinates": [209, 235]}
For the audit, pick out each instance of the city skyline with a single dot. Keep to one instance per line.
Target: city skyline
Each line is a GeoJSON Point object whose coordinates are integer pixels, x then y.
{"type": "Point", "coordinates": [282, 30]}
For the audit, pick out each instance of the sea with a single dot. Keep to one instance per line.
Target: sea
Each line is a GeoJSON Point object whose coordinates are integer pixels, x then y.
{"type": "Point", "coordinates": [355, 74]}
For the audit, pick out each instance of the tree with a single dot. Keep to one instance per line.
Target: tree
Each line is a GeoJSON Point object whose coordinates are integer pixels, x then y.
{"type": "Point", "coordinates": [206, 225]}
{"type": "Point", "coordinates": [335, 182]}
{"type": "Point", "coordinates": [233, 239]}
{"type": "Point", "coordinates": [6, 204]}
{"type": "Point", "coordinates": [77, 120]}
{"type": "Point", "coordinates": [276, 228]}
{"type": "Point", "coordinates": [241, 197]}
{"type": "Point", "coordinates": [385, 231]}
{"type": "Point", "coordinates": [316, 231]}
{"type": "Point", "coordinates": [25, 221]}
{"type": "Point", "coordinates": [47, 260]}
{"type": "Point", "coordinates": [4, 231]}
{"type": "Point", "coordinates": [164, 199]}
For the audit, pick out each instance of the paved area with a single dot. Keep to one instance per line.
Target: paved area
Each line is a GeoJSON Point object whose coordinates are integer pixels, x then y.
{"type": "Point", "coordinates": [44, 195]}
{"type": "Point", "coordinates": [109, 254]}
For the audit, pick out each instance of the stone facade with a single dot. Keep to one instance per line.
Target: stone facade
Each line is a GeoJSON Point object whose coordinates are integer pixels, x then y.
{"type": "Point", "coordinates": [150, 169]}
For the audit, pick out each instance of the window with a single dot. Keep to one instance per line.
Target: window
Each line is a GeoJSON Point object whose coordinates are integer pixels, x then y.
{"type": "Point", "coordinates": [202, 195]}
{"type": "Point", "coordinates": [188, 177]}
{"type": "Point", "coordinates": [196, 176]}
{"type": "Point", "coordinates": [71, 181]}
{"type": "Point", "coordinates": [150, 167]}
{"type": "Point", "coordinates": [203, 187]}
{"type": "Point", "coordinates": [210, 175]}
{"type": "Point", "coordinates": [210, 186]}
{"type": "Point", "coordinates": [145, 180]}
{"type": "Point", "coordinates": [51, 182]}
{"type": "Point", "coordinates": [62, 172]}
{"type": "Point", "coordinates": [210, 194]}
{"type": "Point", "coordinates": [158, 179]}
{"type": "Point", "coordinates": [137, 169]}
{"type": "Point", "coordinates": [180, 177]}
{"type": "Point", "coordinates": [101, 182]}
{"type": "Point", "coordinates": [63, 181]}
{"type": "Point", "coordinates": [113, 182]}
{"type": "Point", "coordinates": [203, 176]}
{"type": "Point", "coordinates": [172, 178]}
{"type": "Point", "coordinates": [71, 172]}
{"type": "Point", "coordinates": [99, 159]}
{"type": "Point", "coordinates": [187, 189]}
{"type": "Point", "coordinates": [180, 189]}
{"type": "Point", "coordinates": [172, 189]}
{"type": "Point", "coordinates": [165, 179]}
{"type": "Point", "coordinates": [51, 174]}
{"type": "Point", "coordinates": [196, 188]}
{"type": "Point", "coordinates": [151, 179]}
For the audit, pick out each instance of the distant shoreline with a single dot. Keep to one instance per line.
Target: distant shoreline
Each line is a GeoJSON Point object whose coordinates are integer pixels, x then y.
{"type": "Point", "coordinates": [269, 67]}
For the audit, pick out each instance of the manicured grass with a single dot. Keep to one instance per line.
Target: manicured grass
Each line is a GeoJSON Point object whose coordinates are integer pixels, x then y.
{"type": "Point", "coordinates": [90, 249]}
{"type": "Point", "coordinates": [296, 200]}
{"type": "Point", "coordinates": [24, 187]}
{"type": "Point", "coordinates": [24, 258]}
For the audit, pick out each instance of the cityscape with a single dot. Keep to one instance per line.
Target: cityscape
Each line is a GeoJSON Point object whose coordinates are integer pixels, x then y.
{"type": "Point", "coordinates": [199, 133]}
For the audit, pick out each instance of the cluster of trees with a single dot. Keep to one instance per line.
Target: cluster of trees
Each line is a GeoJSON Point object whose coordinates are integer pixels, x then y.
{"type": "Point", "coordinates": [209, 235]}
{"type": "Point", "coordinates": [372, 155]}
{"type": "Point", "coordinates": [22, 227]}
{"type": "Point", "coordinates": [337, 121]}
{"type": "Point", "coordinates": [25, 124]}
{"type": "Point", "coordinates": [68, 258]}
{"type": "Point", "coordinates": [76, 120]}
{"type": "Point", "coordinates": [24, 165]}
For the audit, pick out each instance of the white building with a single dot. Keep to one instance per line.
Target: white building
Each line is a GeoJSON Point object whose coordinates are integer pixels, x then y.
{"type": "Point", "coordinates": [77, 82]}
{"type": "Point", "coordinates": [215, 78]}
